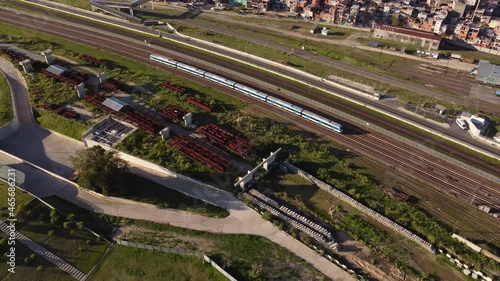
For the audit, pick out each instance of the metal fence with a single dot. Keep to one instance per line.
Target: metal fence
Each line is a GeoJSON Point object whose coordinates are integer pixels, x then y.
{"type": "Point", "coordinates": [345, 115]}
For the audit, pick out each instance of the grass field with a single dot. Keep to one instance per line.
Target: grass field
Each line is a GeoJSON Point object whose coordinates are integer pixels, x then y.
{"type": "Point", "coordinates": [77, 246]}
{"type": "Point", "coordinates": [83, 4]}
{"type": "Point", "coordinates": [28, 271]}
{"type": "Point", "coordinates": [21, 197]}
{"type": "Point", "coordinates": [127, 263]}
{"type": "Point", "coordinates": [6, 110]}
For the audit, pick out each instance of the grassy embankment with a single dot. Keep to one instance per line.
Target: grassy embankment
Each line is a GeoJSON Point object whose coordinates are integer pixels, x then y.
{"type": "Point", "coordinates": [6, 110]}
{"type": "Point", "coordinates": [246, 257]}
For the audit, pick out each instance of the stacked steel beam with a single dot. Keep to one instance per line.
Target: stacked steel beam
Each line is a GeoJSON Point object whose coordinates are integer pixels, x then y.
{"type": "Point", "coordinates": [172, 87]}
{"type": "Point", "coordinates": [173, 112]}
{"type": "Point", "coordinates": [203, 105]}
{"type": "Point", "coordinates": [93, 60]}
{"type": "Point", "coordinates": [69, 78]}
{"type": "Point", "coordinates": [222, 137]}
{"type": "Point", "coordinates": [200, 153]}
{"type": "Point", "coordinates": [113, 84]}
{"type": "Point", "coordinates": [13, 55]}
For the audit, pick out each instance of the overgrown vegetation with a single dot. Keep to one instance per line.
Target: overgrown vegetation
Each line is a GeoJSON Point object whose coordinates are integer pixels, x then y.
{"type": "Point", "coordinates": [127, 263]}
{"type": "Point", "coordinates": [6, 109]}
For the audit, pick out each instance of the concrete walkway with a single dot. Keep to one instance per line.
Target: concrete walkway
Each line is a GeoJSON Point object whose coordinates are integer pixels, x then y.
{"type": "Point", "coordinates": [46, 254]}
{"type": "Point", "coordinates": [19, 90]}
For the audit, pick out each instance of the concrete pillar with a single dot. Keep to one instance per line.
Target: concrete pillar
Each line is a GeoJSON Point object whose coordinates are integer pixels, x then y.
{"type": "Point", "coordinates": [188, 119]}
{"type": "Point", "coordinates": [102, 77]}
{"type": "Point", "coordinates": [48, 56]}
{"type": "Point", "coordinates": [165, 133]}
{"type": "Point", "coordinates": [80, 90]}
{"type": "Point", "coordinates": [131, 11]}
{"type": "Point", "coordinates": [26, 64]}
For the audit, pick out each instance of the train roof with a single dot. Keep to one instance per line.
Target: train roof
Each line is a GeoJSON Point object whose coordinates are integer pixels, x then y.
{"type": "Point", "coordinates": [319, 117]}
{"type": "Point", "coordinates": [285, 103]}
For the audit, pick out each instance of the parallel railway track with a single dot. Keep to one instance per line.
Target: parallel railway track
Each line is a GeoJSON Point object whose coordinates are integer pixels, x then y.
{"type": "Point", "coordinates": [371, 143]}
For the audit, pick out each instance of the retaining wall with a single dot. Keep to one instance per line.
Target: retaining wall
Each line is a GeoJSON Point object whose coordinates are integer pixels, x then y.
{"type": "Point", "coordinates": [362, 208]}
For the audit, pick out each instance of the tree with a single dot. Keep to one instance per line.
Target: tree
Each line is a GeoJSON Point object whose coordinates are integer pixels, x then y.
{"type": "Point", "coordinates": [100, 170]}
{"type": "Point", "coordinates": [395, 20]}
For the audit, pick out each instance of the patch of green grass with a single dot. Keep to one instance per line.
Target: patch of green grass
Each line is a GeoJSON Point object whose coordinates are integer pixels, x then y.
{"type": "Point", "coordinates": [141, 189]}
{"type": "Point", "coordinates": [21, 199]}
{"type": "Point", "coordinates": [28, 271]}
{"type": "Point", "coordinates": [6, 110]}
{"type": "Point", "coordinates": [77, 246]}
{"type": "Point", "coordinates": [83, 4]}
{"type": "Point", "coordinates": [60, 124]}
{"type": "Point", "coordinates": [127, 263]}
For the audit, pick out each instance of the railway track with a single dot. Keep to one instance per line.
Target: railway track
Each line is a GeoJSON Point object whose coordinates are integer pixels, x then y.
{"type": "Point", "coordinates": [355, 138]}
{"type": "Point", "coordinates": [283, 84]}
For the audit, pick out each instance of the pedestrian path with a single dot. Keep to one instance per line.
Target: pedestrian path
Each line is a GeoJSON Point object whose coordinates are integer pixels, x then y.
{"type": "Point", "coordinates": [68, 268]}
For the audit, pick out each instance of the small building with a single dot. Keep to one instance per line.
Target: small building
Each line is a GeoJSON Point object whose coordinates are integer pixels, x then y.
{"type": "Point", "coordinates": [325, 31]}
{"type": "Point", "coordinates": [116, 104]}
{"type": "Point", "coordinates": [425, 40]}
{"type": "Point", "coordinates": [440, 109]}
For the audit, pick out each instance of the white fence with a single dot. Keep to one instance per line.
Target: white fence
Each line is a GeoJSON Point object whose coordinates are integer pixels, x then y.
{"type": "Point", "coordinates": [362, 208]}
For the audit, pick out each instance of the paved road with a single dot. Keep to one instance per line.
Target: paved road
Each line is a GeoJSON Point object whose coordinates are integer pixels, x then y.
{"type": "Point", "coordinates": [46, 254]}
{"type": "Point", "coordinates": [19, 90]}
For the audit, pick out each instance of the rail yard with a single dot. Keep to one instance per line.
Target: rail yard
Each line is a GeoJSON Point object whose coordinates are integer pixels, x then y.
{"type": "Point", "coordinates": [426, 165]}
{"type": "Point", "coordinates": [396, 155]}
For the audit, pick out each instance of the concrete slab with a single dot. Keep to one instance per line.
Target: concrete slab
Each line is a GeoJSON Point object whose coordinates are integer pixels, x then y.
{"type": "Point", "coordinates": [42, 147]}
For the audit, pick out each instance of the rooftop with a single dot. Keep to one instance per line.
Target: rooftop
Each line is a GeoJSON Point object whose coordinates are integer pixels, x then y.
{"type": "Point", "coordinates": [56, 69]}
{"type": "Point", "coordinates": [115, 103]}
{"type": "Point", "coordinates": [411, 32]}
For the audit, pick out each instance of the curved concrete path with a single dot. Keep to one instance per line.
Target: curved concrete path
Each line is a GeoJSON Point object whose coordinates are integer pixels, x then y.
{"type": "Point", "coordinates": [19, 91]}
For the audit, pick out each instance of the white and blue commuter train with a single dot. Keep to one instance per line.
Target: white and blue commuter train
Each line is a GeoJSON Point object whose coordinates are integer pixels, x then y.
{"type": "Point", "coordinates": [253, 93]}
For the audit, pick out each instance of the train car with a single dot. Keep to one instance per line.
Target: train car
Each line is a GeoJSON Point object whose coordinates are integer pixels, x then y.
{"type": "Point", "coordinates": [250, 91]}
{"type": "Point", "coordinates": [285, 105]}
{"type": "Point", "coordinates": [322, 121]}
{"type": "Point", "coordinates": [164, 60]}
{"type": "Point", "coordinates": [219, 79]}
{"type": "Point", "coordinates": [191, 69]}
